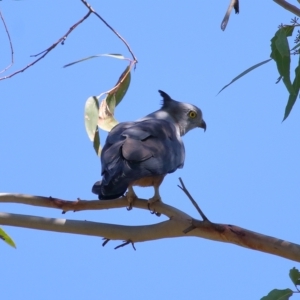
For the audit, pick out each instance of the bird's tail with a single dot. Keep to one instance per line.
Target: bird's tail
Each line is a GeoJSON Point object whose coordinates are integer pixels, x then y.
{"type": "Point", "coordinates": [103, 192]}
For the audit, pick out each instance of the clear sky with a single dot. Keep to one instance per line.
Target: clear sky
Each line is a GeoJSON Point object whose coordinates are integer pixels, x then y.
{"type": "Point", "coordinates": [244, 170]}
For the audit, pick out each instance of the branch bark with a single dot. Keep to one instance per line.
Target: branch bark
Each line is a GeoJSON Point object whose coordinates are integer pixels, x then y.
{"type": "Point", "coordinates": [174, 227]}
{"type": "Point", "coordinates": [286, 5]}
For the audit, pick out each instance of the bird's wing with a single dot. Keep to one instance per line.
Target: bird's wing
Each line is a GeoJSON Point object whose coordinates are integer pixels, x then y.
{"type": "Point", "coordinates": [135, 150]}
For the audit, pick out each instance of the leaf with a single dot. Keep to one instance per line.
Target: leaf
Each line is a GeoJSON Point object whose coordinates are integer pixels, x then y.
{"type": "Point", "coordinates": [281, 54]}
{"type": "Point", "coordinates": [6, 238]}
{"type": "Point", "coordinates": [96, 142]}
{"type": "Point", "coordinates": [278, 295]}
{"type": "Point", "coordinates": [244, 73]}
{"type": "Point", "coordinates": [106, 119]}
{"type": "Point", "coordinates": [295, 47]}
{"type": "Point", "coordinates": [91, 115]}
{"type": "Point", "coordinates": [121, 88]}
{"type": "Point", "coordinates": [118, 56]}
{"type": "Point", "coordinates": [293, 97]}
{"type": "Point", "coordinates": [295, 276]}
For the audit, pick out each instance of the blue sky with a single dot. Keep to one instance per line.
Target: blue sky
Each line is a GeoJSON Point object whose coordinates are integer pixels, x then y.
{"type": "Point", "coordinates": [244, 170]}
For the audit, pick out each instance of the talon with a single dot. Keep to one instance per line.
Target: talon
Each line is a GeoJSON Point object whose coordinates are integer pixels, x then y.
{"type": "Point", "coordinates": [106, 240]}
{"type": "Point", "coordinates": [152, 212]}
{"type": "Point", "coordinates": [131, 196]}
{"type": "Point", "coordinates": [125, 244]}
{"type": "Point", "coordinates": [129, 207]}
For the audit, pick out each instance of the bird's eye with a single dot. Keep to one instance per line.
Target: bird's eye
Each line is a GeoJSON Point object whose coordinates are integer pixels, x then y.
{"type": "Point", "coordinates": [192, 114]}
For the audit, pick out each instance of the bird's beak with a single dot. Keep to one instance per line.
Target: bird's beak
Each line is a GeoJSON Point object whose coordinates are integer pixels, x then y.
{"type": "Point", "coordinates": [203, 125]}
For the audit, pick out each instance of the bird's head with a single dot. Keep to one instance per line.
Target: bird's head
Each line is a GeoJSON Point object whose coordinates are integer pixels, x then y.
{"type": "Point", "coordinates": [186, 116]}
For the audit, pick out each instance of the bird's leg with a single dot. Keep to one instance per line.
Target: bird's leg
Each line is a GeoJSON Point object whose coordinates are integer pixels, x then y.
{"type": "Point", "coordinates": [154, 199]}
{"type": "Point", "coordinates": [131, 196]}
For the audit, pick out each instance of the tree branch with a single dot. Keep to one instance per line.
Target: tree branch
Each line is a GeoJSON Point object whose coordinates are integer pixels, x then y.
{"type": "Point", "coordinates": [10, 43]}
{"type": "Point", "coordinates": [63, 38]}
{"type": "Point", "coordinates": [45, 52]}
{"type": "Point", "coordinates": [293, 9]}
{"type": "Point", "coordinates": [174, 227]}
{"type": "Point", "coordinates": [113, 30]}
{"type": "Point", "coordinates": [233, 4]}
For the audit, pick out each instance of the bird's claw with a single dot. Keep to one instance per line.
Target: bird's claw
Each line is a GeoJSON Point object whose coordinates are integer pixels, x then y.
{"type": "Point", "coordinates": [125, 244]}
{"type": "Point", "coordinates": [153, 211]}
{"type": "Point", "coordinates": [129, 207]}
{"type": "Point", "coordinates": [131, 196]}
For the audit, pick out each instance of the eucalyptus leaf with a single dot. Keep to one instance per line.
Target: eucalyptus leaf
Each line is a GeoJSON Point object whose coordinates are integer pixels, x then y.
{"type": "Point", "coordinates": [6, 238]}
{"type": "Point", "coordinates": [118, 56]}
{"type": "Point", "coordinates": [293, 97]}
{"type": "Point", "coordinates": [244, 73]}
{"type": "Point", "coordinates": [278, 295]}
{"type": "Point", "coordinates": [280, 53]}
{"type": "Point", "coordinates": [91, 115]}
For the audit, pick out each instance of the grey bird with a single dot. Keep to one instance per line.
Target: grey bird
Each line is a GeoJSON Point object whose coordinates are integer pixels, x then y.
{"type": "Point", "coordinates": [143, 152]}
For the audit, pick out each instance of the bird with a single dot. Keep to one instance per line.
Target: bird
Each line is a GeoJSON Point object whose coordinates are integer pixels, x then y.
{"type": "Point", "coordinates": [143, 152]}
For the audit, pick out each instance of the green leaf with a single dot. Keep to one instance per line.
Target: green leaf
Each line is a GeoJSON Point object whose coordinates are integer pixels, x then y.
{"type": "Point", "coordinates": [118, 56]}
{"type": "Point", "coordinates": [295, 47]}
{"type": "Point", "coordinates": [281, 54]}
{"type": "Point", "coordinates": [96, 142]}
{"type": "Point", "coordinates": [6, 238]}
{"type": "Point", "coordinates": [278, 295]}
{"type": "Point", "coordinates": [295, 276]}
{"type": "Point", "coordinates": [293, 97]}
{"type": "Point", "coordinates": [120, 89]}
{"type": "Point", "coordinates": [244, 73]}
{"type": "Point", "coordinates": [91, 115]}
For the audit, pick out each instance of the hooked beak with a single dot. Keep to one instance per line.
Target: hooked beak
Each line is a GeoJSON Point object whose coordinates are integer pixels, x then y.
{"type": "Point", "coordinates": [203, 125]}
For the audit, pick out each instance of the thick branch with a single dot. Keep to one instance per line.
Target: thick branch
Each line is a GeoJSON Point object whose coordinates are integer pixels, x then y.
{"type": "Point", "coordinates": [175, 227]}
{"type": "Point", "coordinates": [293, 9]}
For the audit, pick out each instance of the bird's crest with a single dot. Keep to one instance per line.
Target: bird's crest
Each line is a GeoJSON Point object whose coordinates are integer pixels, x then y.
{"type": "Point", "coordinates": [166, 99]}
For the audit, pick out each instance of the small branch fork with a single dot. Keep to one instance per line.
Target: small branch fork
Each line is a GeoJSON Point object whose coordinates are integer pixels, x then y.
{"type": "Point", "coordinates": [61, 41]}
{"type": "Point", "coordinates": [179, 224]}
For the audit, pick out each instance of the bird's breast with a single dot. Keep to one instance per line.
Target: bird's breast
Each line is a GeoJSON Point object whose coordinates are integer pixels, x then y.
{"type": "Point", "coordinates": [149, 181]}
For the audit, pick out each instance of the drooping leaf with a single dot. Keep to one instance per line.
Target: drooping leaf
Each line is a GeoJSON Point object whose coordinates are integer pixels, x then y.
{"type": "Point", "coordinates": [278, 295]}
{"type": "Point", "coordinates": [106, 119]}
{"type": "Point", "coordinates": [281, 55]}
{"type": "Point", "coordinates": [118, 56]}
{"type": "Point", "coordinates": [295, 276]}
{"type": "Point", "coordinates": [91, 115]}
{"type": "Point", "coordinates": [293, 97]}
{"type": "Point", "coordinates": [6, 238]}
{"type": "Point", "coordinates": [96, 142]}
{"type": "Point", "coordinates": [244, 73]}
{"type": "Point", "coordinates": [121, 88]}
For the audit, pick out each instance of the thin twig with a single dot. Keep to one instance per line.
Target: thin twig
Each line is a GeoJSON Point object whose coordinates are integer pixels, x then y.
{"type": "Point", "coordinates": [10, 43]}
{"type": "Point", "coordinates": [45, 52]}
{"type": "Point", "coordinates": [192, 200]}
{"type": "Point", "coordinates": [293, 9]}
{"type": "Point", "coordinates": [233, 4]}
{"type": "Point", "coordinates": [113, 30]}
